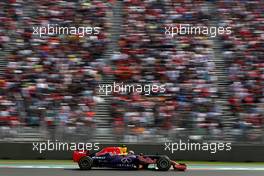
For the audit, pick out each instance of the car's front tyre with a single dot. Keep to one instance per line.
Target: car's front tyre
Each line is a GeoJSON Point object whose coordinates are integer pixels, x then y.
{"type": "Point", "coordinates": [85, 163]}
{"type": "Point", "coordinates": [163, 163]}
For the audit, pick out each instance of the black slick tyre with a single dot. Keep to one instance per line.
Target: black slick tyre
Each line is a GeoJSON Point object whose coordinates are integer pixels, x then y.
{"type": "Point", "coordinates": [85, 163]}
{"type": "Point", "coordinates": [163, 163]}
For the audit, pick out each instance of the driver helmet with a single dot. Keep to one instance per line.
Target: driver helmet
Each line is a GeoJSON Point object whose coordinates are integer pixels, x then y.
{"type": "Point", "coordinates": [131, 152]}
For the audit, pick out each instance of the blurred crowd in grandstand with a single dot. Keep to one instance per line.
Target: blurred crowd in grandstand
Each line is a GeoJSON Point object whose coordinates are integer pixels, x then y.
{"type": "Point", "coordinates": [53, 80]}
{"type": "Point", "coordinates": [243, 53]}
{"type": "Point", "coordinates": [184, 65]}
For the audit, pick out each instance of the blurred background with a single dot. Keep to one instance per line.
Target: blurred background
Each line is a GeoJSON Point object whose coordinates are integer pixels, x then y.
{"type": "Point", "coordinates": [49, 85]}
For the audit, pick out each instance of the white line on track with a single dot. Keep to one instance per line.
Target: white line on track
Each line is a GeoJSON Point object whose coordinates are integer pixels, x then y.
{"type": "Point", "coordinates": [39, 166]}
{"type": "Point", "coordinates": [226, 168]}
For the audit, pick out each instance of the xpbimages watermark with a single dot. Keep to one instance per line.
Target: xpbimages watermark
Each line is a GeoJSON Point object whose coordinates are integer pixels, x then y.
{"type": "Point", "coordinates": [63, 146]}
{"type": "Point", "coordinates": [188, 29]}
{"type": "Point", "coordinates": [146, 89]}
{"type": "Point", "coordinates": [212, 147]}
{"type": "Point", "coordinates": [54, 29]}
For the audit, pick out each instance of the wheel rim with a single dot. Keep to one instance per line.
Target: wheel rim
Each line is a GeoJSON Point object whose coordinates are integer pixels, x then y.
{"type": "Point", "coordinates": [164, 164]}
{"type": "Point", "coordinates": [85, 163]}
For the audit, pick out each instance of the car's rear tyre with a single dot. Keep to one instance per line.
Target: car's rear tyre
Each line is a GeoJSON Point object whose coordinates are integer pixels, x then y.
{"type": "Point", "coordinates": [163, 163]}
{"type": "Point", "coordinates": [85, 163]}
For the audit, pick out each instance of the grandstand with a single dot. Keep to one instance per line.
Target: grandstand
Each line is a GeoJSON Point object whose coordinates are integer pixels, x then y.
{"type": "Point", "coordinates": [49, 86]}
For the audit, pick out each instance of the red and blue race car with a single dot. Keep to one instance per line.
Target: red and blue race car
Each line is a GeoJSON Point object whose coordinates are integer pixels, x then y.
{"type": "Point", "coordinates": [118, 157]}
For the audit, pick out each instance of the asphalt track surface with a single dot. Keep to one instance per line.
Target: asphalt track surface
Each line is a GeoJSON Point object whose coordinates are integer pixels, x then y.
{"type": "Point", "coordinates": [108, 172]}
{"type": "Point", "coordinates": [72, 170]}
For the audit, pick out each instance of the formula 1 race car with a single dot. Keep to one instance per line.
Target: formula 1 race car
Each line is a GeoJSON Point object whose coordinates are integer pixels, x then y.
{"type": "Point", "coordinates": [117, 157]}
